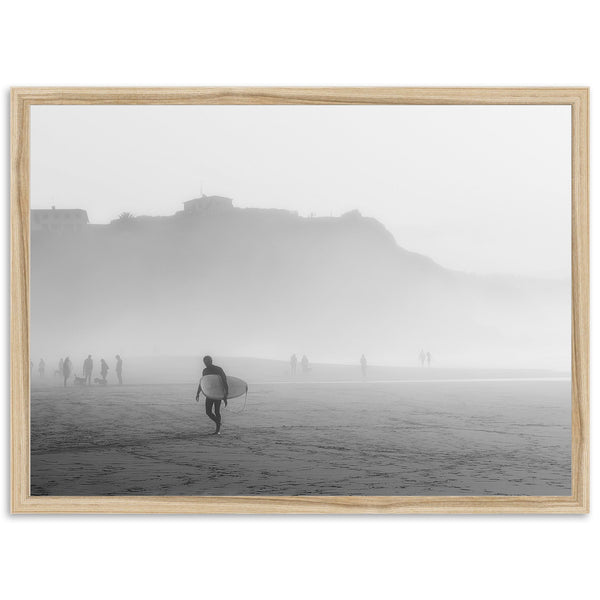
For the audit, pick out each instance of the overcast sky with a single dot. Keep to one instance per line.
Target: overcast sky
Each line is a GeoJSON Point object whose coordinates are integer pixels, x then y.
{"type": "Point", "coordinates": [479, 189]}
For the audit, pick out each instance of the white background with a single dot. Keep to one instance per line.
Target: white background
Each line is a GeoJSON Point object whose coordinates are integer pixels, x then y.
{"type": "Point", "coordinates": [422, 43]}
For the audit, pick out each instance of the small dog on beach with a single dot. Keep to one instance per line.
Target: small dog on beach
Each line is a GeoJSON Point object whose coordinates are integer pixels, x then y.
{"type": "Point", "coordinates": [79, 380]}
{"type": "Point", "coordinates": [99, 381]}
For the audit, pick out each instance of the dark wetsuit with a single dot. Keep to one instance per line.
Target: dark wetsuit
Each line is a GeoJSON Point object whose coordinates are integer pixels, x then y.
{"type": "Point", "coordinates": [212, 403]}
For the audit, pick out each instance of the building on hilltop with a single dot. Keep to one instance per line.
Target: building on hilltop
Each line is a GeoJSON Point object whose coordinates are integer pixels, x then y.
{"type": "Point", "coordinates": [220, 204]}
{"type": "Point", "coordinates": [204, 203]}
{"type": "Point", "coordinates": [58, 219]}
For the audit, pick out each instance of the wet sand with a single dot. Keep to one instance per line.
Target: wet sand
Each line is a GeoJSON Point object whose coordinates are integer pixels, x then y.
{"type": "Point", "coordinates": [354, 438]}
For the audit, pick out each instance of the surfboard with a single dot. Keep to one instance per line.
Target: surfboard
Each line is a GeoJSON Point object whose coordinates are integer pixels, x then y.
{"type": "Point", "coordinates": [212, 387]}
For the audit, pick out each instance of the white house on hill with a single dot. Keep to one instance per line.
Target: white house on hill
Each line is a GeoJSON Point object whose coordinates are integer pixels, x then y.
{"type": "Point", "coordinates": [58, 219]}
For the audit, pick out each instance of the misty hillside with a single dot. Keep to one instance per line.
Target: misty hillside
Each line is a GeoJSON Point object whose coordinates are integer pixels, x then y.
{"type": "Point", "coordinates": [266, 283]}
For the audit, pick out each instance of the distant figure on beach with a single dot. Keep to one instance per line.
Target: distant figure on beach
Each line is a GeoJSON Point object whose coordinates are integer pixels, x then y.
{"type": "Point", "coordinates": [119, 369]}
{"type": "Point", "coordinates": [428, 359]}
{"type": "Point", "coordinates": [422, 357]}
{"type": "Point", "coordinates": [304, 363]}
{"type": "Point", "coordinates": [66, 370]}
{"type": "Point", "coordinates": [363, 365]}
{"type": "Point", "coordinates": [293, 363]}
{"type": "Point", "coordinates": [213, 405]}
{"type": "Point", "coordinates": [103, 369]}
{"type": "Point", "coordinates": [60, 367]}
{"type": "Point", "coordinates": [88, 369]}
{"type": "Point", "coordinates": [42, 367]}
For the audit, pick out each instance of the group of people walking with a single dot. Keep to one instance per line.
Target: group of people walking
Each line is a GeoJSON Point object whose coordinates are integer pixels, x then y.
{"type": "Point", "coordinates": [425, 356]}
{"type": "Point", "coordinates": [304, 364]}
{"type": "Point", "coordinates": [65, 370]}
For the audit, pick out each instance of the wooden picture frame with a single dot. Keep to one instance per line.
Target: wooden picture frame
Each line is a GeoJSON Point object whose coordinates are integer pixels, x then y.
{"type": "Point", "coordinates": [22, 99]}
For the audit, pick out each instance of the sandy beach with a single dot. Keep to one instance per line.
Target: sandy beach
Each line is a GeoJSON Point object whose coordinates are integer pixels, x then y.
{"type": "Point", "coordinates": [358, 438]}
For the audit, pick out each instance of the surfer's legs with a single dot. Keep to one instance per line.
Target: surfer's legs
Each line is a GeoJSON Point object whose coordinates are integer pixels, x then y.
{"type": "Point", "coordinates": [216, 416]}
{"type": "Point", "coordinates": [209, 412]}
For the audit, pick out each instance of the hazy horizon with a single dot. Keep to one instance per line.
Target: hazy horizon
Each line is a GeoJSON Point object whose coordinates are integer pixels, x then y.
{"type": "Point", "coordinates": [482, 191]}
{"type": "Point", "coordinates": [265, 284]}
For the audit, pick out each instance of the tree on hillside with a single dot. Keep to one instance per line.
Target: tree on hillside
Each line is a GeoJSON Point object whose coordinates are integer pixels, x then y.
{"type": "Point", "coordinates": [126, 220]}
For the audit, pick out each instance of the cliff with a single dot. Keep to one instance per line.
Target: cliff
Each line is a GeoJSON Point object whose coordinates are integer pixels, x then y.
{"type": "Point", "coordinates": [266, 283]}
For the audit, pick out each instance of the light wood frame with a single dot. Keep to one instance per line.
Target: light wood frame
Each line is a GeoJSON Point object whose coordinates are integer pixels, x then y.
{"type": "Point", "coordinates": [21, 500]}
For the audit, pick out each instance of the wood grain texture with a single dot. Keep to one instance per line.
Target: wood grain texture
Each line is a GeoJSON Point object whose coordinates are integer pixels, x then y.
{"type": "Point", "coordinates": [300, 95]}
{"type": "Point", "coordinates": [19, 299]}
{"type": "Point", "coordinates": [22, 502]}
{"type": "Point", "coordinates": [580, 307]}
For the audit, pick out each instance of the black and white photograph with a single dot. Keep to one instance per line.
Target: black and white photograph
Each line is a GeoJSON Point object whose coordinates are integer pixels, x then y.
{"type": "Point", "coordinates": [369, 300]}
{"type": "Point", "coordinates": [298, 300]}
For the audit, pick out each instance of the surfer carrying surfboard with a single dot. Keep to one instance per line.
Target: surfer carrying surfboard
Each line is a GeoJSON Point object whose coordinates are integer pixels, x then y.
{"type": "Point", "coordinates": [214, 404]}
